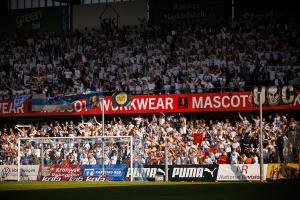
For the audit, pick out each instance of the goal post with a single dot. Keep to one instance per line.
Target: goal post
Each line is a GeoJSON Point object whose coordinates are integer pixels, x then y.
{"type": "Point", "coordinates": [92, 156]}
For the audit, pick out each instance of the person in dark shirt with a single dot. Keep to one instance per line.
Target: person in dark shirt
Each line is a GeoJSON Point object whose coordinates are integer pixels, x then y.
{"type": "Point", "coordinates": [25, 160]}
{"type": "Point", "coordinates": [280, 145]}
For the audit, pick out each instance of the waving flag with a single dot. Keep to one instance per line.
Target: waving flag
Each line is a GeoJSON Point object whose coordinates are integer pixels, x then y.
{"type": "Point", "coordinates": [93, 99]}
{"type": "Point", "coordinates": [55, 104]}
{"type": "Point", "coordinates": [121, 99]}
{"type": "Point", "coordinates": [18, 100]}
{"type": "Point", "coordinates": [42, 103]}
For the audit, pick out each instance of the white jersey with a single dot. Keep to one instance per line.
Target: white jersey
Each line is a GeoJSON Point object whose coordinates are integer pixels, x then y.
{"type": "Point", "coordinates": [84, 161]}
{"type": "Point", "coordinates": [113, 160]}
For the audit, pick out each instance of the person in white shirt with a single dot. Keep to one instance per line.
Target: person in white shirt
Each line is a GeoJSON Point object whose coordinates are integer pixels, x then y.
{"type": "Point", "coordinates": [205, 144]}
{"type": "Point", "coordinates": [178, 159]}
{"type": "Point", "coordinates": [234, 157]}
{"type": "Point", "coordinates": [244, 120]}
{"type": "Point", "coordinates": [84, 160]}
{"type": "Point", "coordinates": [235, 144]}
{"type": "Point", "coordinates": [255, 159]}
{"type": "Point", "coordinates": [114, 158]}
{"type": "Point", "coordinates": [228, 148]}
{"type": "Point", "coordinates": [161, 119]}
{"type": "Point", "coordinates": [193, 158]}
{"type": "Point", "coordinates": [92, 160]}
{"type": "Point", "coordinates": [184, 158]}
{"type": "Point", "coordinates": [207, 160]}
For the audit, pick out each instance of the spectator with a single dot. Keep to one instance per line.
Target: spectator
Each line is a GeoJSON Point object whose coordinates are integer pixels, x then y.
{"type": "Point", "coordinates": [213, 142]}
{"type": "Point", "coordinates": [223, 159]}
{"type": "Point", "coordinates": [258, 52]}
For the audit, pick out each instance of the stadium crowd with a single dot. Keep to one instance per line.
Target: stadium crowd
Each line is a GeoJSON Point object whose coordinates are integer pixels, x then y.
{"type": "Point", "coordinates": [256, 49]}
{"type": "Point", "coordinates": [253, 50]}
{"type": "Point", "coordinates": [188, 141]}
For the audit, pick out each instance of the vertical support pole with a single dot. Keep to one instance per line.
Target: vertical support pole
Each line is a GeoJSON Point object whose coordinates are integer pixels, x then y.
{"type": "Point", "coordinates": [42, 159]}
{"type": "Point", "coordinates": [19, 158]}
{"type": "Point", "coordinates": [70, 17]}
{"type": "Point", "coordinates": [131, 159]}
{"type": "Point", "coordinates": [102, 107]}
{"type": "Point", "coordinates": [166, 161]}
{"type": "Point", "coordinates": [261, 140]}
{"type": "Point", "coordinates": [232, 10]}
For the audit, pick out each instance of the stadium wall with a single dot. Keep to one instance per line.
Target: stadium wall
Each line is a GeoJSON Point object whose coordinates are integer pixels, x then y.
{"type": "Point", "coordinates": [121, 13]}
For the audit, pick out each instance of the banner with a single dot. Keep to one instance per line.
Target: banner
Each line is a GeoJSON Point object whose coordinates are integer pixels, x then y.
{"type": "Point", "coordinates": [19, 100]}
{"type": "Point", "coordinates": [193, 173]}
{"type": "Point", "coordinates": [109, 15]}
{"type": "Point", "coordinates": [174, 11]}
{"type": "Point", "coordinates": [51, 104]}
{"type": "Point", "coordinates": [114, 172]}
{"type": "Point", "coordinates": [10, 172]}
{"type": "Point", "coordinates": [32, 20]}
{"type": "Point", "coordinates": [177, 172]}
{"type": "Point", "coordinates": [240, 172]}
{"type": "Point", "coordinates": [6, 108]}
{"type": "Point", "coordinates": [59, 172]}
{"type": "Point", "coordinates": [166, 103]}
{"type": "Point", "coordinates": [273, 95]}
{"type": "Point", "coordinates": [277, 172]}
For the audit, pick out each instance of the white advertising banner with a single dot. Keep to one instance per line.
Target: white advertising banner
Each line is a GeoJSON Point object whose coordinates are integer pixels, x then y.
{"type": "Point", "coordinates": [10, 172]}
{"type": "Point", "coordinates": [240, 172]}
{"type": "Point", "coordinates": [115, 14]}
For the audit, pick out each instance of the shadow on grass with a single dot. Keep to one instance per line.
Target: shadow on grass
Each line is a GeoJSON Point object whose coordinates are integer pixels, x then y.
{"type": "Point", "coordinates": [228, 191]}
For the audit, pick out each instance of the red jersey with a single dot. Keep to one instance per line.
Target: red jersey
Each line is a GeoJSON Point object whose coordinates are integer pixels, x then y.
{"type": "Point", "coordinates": [222, 159]}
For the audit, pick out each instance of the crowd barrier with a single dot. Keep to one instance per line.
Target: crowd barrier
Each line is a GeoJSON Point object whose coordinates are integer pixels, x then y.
{"type": "Point", "coordinates": [119, 172]}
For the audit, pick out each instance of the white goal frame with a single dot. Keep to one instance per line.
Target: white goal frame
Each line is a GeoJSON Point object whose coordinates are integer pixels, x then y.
{"type": "Point", "coordinates": [90, 137]}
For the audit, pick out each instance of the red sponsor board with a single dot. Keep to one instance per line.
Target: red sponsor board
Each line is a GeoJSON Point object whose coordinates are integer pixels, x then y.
{"type": "Point", "coordinates": [7, 110]}
{"type": "Point", "coordinates": [201, 102]}
{"type": "Point", "coordinates": [61, 171]}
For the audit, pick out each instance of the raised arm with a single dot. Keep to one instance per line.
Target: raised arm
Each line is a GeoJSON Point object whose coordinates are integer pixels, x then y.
{"type": "Point", "coordinates": [95, 119]}
{"type": "Point", "coordinates": [17, 127]}
{"type": "Point", "coordinates": [240, 116]}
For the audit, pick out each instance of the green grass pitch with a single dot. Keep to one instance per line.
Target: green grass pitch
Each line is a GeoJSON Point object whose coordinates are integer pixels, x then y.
{"type": "Point", "coordinates": [148, 190]}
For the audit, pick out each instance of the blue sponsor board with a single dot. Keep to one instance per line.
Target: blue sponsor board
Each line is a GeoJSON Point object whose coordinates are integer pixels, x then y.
{"type": "Point", "coordinates": [115, 172]}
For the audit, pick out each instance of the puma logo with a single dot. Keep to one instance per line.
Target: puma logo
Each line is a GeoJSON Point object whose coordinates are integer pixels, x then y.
{"type": "Point", "coordinates": [210, 171]}
{"type": "Point", "coordinates": [161, 171]}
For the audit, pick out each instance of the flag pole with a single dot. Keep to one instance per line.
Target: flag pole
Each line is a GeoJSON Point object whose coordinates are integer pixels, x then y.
{"type": "Point", "coordinates": [261, 140]}
{"type": "Point", "coordinates": [102, 107]}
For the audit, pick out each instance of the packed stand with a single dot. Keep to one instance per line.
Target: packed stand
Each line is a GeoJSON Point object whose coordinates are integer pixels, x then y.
{"type": "Point", "coordinates": [262, 49]}
{"type": "Point", "coordinates": [188, 141]}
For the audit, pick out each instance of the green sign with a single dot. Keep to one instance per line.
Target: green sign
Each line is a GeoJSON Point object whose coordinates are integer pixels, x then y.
{"type": "Point", "coordinates": [34, 20]}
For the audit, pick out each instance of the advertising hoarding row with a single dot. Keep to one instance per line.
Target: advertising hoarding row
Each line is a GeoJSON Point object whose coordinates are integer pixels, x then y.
{"type": "Point", "coordinates": [167, 103]}
{"type": "Point", "coordinates": [118, 172]}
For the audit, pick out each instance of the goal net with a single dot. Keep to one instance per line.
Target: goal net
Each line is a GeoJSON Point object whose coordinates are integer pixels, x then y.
{"type": "Point", "coordinates": [98, 158]}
